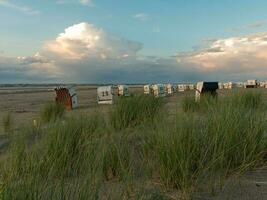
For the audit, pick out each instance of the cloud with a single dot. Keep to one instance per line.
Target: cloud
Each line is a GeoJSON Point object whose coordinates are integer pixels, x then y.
{"type": "Point", "coordinates": [136, 70]}
{"type": "Point", "coordinates": [37, 58]}
{"type": "Point", "coordinates": [234, 57]}
{"type": "Point", "coordinates": [82, 2]}
{"type": "Point", "coordinates": [84, 40]}
{"type": "Point", "coordinates": [84, 53]}
{"type": "Point", "coordinates": [254, 25]}
{"type": "Point", "coordinates": [86, 2]}
{"type": "Point", "coordinates": [27, 70]}
{"type": "Point", "coordinates": [21, 8]}
{"type": "Point", "coordinates": [141, 16]}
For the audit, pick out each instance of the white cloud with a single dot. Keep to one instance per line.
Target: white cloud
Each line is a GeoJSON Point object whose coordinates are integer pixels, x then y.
{"type": "Point", "coordinates": [21, 8]}
{"type": "Point", "coordinates": [234, 56]}
{"type": "Point", "coordinates": [37, 58]}
{"type": "Point", "coordinates": [84, 40]}
{"type": "Point", "coordinates": [141, 16]}
{"type": "Point", "coordinates": [82, 2]}
{"type": "Point", "coordinates": [86, 2]}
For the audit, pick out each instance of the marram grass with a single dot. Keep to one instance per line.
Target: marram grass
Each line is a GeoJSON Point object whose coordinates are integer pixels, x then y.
{"type": "Point", "coordinates": [51, 112]}
{"type": "Point", "coordinates": [91, 157]}
{"type": "Point", "coordinates": [131, 112]}
{"type": "Point", "coordinates": [7, 122]}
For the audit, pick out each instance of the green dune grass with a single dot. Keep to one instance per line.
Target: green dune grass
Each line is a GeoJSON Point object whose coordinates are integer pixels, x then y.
{"type": "Point", "coordinates": [138, 152]}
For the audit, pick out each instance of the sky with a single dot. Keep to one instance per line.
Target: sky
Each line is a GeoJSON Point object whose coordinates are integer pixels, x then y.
{"type": "Point", "coordinates": [132, 41]}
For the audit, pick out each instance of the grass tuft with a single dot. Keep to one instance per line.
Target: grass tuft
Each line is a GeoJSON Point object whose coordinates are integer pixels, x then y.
{"type": "Point", "coordinates": [51, 112]}
{"type": "Point", "coordinates": [7, 123]}
{"type": "Point", "coordinates": [189, 104]}
{"type": "Point", "coordinates": [131, 112]}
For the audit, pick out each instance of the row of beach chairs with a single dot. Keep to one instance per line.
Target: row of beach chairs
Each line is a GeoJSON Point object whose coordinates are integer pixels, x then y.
{"type": "Point", "coordinates": [67, 95]}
